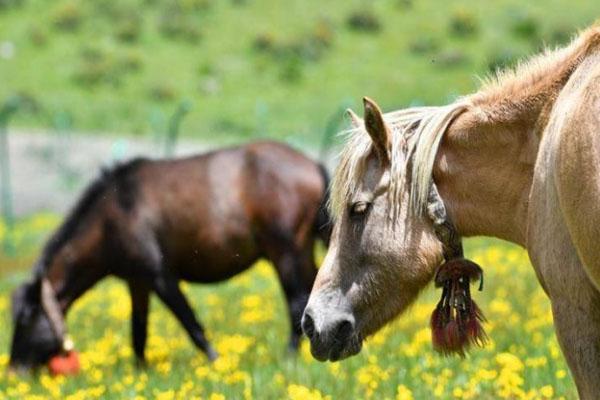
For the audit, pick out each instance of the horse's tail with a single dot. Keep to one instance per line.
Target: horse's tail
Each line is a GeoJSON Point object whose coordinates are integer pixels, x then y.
{"type": "Point", "coordinates": [323, 224]}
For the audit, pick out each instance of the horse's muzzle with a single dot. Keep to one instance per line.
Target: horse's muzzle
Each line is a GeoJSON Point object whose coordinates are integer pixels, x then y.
{"type": "Point", "coordinates": [332, 334]}
{"type": "Point", "coordinates": [20, 369]}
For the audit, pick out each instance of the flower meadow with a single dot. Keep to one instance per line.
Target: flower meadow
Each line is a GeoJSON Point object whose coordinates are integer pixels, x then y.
{"type": "Point", "coordinates": [246, 321]}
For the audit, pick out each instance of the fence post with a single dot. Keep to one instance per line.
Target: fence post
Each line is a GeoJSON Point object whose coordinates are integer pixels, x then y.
{"type": "Point", "coordinates": [6, 190]}
{"type": "Point", "coordinates": [62, 122]}
{"type": "Point", "coordinates": [183, 108]}
{"type": "Point", "coordinates": [157, 124]}
{"type": "Point", "coordinates": [7, 110]}
{"type": "Point", "coordinates": [261, 113]}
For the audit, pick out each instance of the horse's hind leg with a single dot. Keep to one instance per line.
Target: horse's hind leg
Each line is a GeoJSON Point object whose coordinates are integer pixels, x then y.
{"type": "Point", "coordinates": [167, 288]}
{"type": "Point", "coordinates": [296, 271]}
{"type": "Point", "coordinates": [140, 296]}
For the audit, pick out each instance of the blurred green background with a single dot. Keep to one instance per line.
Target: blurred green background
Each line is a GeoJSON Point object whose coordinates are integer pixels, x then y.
{"type": "Point", "coordinates": [259, 68]}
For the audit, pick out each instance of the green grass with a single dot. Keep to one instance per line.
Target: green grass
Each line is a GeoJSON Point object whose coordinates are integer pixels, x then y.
{"type": "Point", "coordinates": [246, 320]}
{"type": "Point", "coordinates": [253, 97]}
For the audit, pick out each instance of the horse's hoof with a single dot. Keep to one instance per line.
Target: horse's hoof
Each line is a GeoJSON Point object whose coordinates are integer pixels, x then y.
{"type": "Point", "coordinates": [19, 371]}
{"type": "Point", "coordinates": [141, 363]}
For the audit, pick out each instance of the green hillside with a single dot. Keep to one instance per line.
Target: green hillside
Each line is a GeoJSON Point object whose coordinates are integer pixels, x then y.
{"type": "Point", "coordinates": [254, 68]}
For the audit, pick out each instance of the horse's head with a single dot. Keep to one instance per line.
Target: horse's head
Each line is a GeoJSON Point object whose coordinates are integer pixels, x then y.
{"type": "Point", "coordinates": [35, 337]}
{"type": "Point", "coordinates": [382, 253]}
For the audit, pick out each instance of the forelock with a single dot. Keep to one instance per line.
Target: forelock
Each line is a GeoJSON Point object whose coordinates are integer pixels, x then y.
{"type": "Point", "coordinates": [415, 137]}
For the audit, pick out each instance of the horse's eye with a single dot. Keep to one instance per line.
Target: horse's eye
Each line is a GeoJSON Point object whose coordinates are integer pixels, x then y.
{"type": "Point", "coordinates": [359, 208]}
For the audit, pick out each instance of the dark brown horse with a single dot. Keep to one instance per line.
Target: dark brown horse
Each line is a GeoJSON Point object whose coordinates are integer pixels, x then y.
{"type": "Point", "coordinates": [153, 223]}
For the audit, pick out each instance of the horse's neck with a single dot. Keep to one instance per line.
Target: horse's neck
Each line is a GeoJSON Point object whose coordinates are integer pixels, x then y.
{"type": "Point", "coordinates": [484, 173]}
{"type": "Point", "coordinates": [70, 283]}
{"type": "Point", "coordinates": [485, 165]}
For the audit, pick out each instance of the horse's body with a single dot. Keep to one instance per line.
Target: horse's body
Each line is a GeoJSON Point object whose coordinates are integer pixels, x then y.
{"type": "Point", "coordinates": [519, 160]}
{"type": "Point", "coordinates": [200, 219]}
{"type": "Point", "coordinates": [563, 222]}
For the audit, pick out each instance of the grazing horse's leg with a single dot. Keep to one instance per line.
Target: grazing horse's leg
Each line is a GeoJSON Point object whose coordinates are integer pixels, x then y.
{"type": "Point", "coordinates": [167, 288]}
{"type": "Point", "coordinates": [148, 256]}
{"type": "Point", "coordinates": [140, 296]}
{"type": "Point", "coordinates": [296, 271]}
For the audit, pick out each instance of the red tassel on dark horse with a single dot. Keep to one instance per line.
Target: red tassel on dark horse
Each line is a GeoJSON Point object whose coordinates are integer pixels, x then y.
{"type": "Point", "coordinates": [456, 321]}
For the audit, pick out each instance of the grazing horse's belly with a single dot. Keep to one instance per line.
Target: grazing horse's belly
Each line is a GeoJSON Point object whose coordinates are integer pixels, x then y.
{"type": "Point", "coordinates": [210, 252]}
{"type": "Point", "coordinates": [202, 272]}
{"type": "Point", "coordinates": [212, 263]}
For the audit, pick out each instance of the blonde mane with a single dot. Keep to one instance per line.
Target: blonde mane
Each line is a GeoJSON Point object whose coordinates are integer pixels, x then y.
{"type": "Point", "coordinates": [416, 132]}
{"type": "Point", "coordinates": [416, 136]}
{"type": "Point", "coordinates": [537, 74]}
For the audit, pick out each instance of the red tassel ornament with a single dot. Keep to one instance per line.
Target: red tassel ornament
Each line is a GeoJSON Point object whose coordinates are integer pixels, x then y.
{"type": "Point", "coordinates": [67, 361]}
{"type": "Point", "coordinates": [65, 364]}
{"type": "Point", "coordinates": [456, 320]}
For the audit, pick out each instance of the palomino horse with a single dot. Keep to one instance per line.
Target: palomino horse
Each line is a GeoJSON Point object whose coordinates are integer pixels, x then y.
{"type": "Point", "coordinates": [518, 160]}
{"type": "Point", "coordinates": [152, 223]}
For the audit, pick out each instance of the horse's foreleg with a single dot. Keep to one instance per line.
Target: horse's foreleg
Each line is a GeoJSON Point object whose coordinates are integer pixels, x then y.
{"type": "Point", "coordinates": [296, 271]}
{"type": "Point", "coordinates": [167, 289]}
{"type": "Point", "coordinates": [148, 257]}
{"type": "Point", "coordinates": [576, 311]}
{"type": "Point", "coordinates": [140, 296]}
{"type": "Point", "coordinates": [578, 332]}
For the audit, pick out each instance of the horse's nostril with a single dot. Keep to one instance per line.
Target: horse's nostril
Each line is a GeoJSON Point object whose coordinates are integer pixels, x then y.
{"type": "Point", "coordinates": [344, 330]}
{"type": "Point", "coordinates": [308, 325]}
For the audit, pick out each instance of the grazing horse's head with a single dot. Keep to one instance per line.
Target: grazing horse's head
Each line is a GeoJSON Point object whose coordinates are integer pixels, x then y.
{"type": "Point", "coordinates": [383, 251]}
{"type": "Point", "coordinates": [35, 337]}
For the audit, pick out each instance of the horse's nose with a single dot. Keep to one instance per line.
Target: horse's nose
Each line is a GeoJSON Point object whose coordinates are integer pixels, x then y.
{"type": "Point", "coordinates": [339, 326]}
{"type": "Point", "coordinates": [308, 324]}
{"type": "Point", "coordinates": [332, 332]}
{"type": "Point", "coordinates": [343, 329]}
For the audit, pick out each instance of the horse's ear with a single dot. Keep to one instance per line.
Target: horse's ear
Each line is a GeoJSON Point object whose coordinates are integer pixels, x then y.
{"type": "Point", "coordinates": [355, 120]}
{"type": "Point", "coordinates": [377, 129]}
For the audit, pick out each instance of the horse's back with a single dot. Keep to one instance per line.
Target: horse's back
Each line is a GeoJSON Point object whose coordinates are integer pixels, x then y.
{"type": "Point", "coordinates": [284, 190]}
{"type": "Point", "coordinates": [210, 213]}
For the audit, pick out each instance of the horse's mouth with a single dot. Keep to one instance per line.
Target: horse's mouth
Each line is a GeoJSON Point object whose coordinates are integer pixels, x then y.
{"type": "Point", "coordinates": [337, 350]}
{"type": "Point", "coordinates": [26, 364]}
{"type": "Point", "coordinates": [22, 369]}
